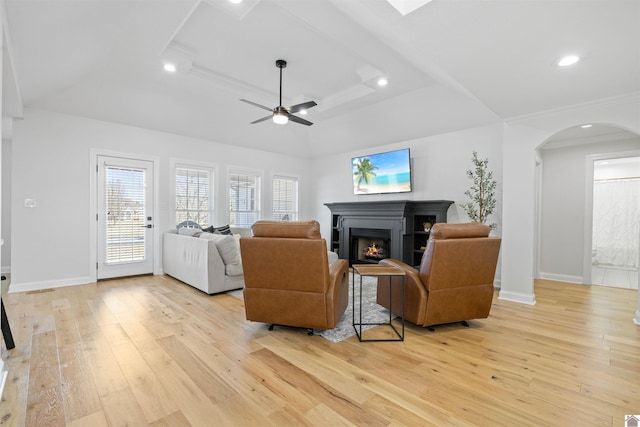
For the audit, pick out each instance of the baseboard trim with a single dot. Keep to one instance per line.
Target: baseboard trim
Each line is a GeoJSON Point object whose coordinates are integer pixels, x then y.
{"type": "Point", "coordinates": [48, 284]}
{"type": "Point", "coordinates": [562, 278]}
{"type": "Point", "coordinates": [529, 299]}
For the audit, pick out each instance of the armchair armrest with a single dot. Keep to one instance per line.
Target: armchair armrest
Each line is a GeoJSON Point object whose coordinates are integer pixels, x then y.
{"type": "Point", "coordinates": [338, 292]}
{"type": "Point", "coordinates": [416, 294]}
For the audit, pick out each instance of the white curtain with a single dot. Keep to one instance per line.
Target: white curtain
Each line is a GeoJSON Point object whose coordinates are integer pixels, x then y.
{"type": "Point", "coordinates": [616, 219]}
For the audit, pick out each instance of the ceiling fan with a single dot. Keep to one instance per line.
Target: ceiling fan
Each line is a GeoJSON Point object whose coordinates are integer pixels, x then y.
{"type": "Point", "coordinates": [281, 115]}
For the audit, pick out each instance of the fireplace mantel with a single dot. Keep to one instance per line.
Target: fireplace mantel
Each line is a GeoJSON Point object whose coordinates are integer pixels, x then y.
{"type": "Point", "coordinates": [402, 218]}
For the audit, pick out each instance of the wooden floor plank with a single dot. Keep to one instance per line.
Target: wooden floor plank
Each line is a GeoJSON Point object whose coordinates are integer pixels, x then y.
{"type": "Point", "coordinates": [97, 419]}
{"type": "Point", "coordinates": [202, 375]}
{"type": "Point", "coordinates": [121, 408]}
{"type": "Point", "coordinates": [194, 404]}
{"type": "Point", "coordinates": [77, 385]}
{"type": "Point", "coordinates": [155, 401]}
{"type": "Point", "coordinates": [105, 369]}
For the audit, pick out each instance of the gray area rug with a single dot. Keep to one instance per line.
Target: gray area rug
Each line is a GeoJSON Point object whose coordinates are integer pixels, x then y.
{"type": "Point", "coordinates": [371, 312]}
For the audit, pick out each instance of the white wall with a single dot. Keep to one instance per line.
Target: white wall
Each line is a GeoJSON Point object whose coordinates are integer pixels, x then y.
{"type": "Point", "coordinates": [563, 207]}
{"type": "Point", "coordinates": [439, 165]}
{"type": "Point", "coordinates": [51, 158]}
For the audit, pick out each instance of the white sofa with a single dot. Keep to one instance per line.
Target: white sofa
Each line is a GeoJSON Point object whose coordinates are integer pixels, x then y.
{"type": "Point", "coordinates": [209, 262]}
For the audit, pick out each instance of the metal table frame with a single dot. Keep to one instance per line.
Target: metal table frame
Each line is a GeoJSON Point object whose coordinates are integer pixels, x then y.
{"type": "Point", "coordinates": [375, 270]}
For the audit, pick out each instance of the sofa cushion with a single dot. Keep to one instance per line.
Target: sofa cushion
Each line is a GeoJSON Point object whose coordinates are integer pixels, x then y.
{"type": "Point", "coordinates": [194, 232]}
{"type": "Point", "coordinates": [188, 224]}
{"type": "Point", "coordinates": [233, 269]}
{"type": "Point", "coordinates": [332, 257]}
{"type": "Point", "coordinates": [229, 249]}
{"type": "Point", "coordinates": [225, 229]}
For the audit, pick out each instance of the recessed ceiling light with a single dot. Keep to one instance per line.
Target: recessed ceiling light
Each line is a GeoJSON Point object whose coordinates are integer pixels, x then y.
{"type": "Point", "coordinates": [169, 67]}
{"type": "Point", "coordinates": [235, 1]}
{"type": "Point", "coordinates": [303, 112]}
{"type": "Point", "coordinates": [568, 60]}
{"type": "Point", "coordinates": [382, 81]}
{"type": "Point", "coordinates": [585, 126]}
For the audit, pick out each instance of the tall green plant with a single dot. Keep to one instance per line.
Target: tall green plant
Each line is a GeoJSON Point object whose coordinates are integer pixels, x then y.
{"type": "Point", "coordinates": [482, 192]}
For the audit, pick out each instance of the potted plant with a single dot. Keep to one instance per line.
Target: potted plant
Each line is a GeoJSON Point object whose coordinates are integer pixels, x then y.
{"type": "Point", "coordinates": [482, 192]}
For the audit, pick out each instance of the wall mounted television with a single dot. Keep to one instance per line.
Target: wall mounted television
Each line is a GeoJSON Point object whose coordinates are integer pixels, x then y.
{"type": "Point", "coordinates": [388, 172]}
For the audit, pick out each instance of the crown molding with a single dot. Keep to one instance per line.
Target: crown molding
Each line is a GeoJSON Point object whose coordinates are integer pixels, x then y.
{"type": "Point", "coordinates": [571, 142]}
{"type": "Point", "coordinates": [632, 97]}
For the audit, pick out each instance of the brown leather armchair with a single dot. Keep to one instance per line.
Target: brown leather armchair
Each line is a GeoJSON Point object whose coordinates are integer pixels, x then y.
{"type": "Point", "coordinates": [455, 280]}
{"type": "Point", "coordinates": [288, 280]}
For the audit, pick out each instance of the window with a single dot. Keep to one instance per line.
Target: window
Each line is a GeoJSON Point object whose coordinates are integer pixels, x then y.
{"type": "Point", "coordinates": [285, 198]}
{"type": "Point", "coordinates": [244, 198]}
{"type": "Point", "coordinates": [194, 195]}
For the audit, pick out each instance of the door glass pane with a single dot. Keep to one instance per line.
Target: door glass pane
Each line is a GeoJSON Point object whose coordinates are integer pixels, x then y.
{"type": "Point", "coordinates": [125, 225]}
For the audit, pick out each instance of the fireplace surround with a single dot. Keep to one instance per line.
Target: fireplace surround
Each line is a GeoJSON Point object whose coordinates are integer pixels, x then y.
{"type": "Point", "coordinates": [403, 221]}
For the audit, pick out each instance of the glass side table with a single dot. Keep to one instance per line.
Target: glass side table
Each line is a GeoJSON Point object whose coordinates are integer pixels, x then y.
{"type": "Point", "coordinates": [378, 271]}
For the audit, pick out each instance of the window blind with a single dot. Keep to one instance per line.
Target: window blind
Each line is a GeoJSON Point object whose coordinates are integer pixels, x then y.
{"type": "Point", "coordinates": [284, 198]}
{"type": "Point", "coordinates": [244, 200]}
{"type": "Point", "coordinates": [125, 208]}
{"type": "Point", "coordinates": [193, 196]}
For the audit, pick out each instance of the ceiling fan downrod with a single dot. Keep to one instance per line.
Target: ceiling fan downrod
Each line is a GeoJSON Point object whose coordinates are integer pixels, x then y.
{"type": "Point", "coordinates": [281, 63]}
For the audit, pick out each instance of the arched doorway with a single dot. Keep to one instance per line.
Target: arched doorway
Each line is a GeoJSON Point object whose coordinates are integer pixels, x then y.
{"type": "Point", "coordinates": [565, 202]}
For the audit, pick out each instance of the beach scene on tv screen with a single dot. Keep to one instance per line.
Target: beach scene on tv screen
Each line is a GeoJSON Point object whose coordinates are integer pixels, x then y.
{"type": "Point", "coordinates": [382, 173]}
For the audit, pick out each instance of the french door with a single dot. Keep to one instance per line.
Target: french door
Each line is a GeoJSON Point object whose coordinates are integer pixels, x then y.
{"type": "Point", "coordinates": [125, 217]}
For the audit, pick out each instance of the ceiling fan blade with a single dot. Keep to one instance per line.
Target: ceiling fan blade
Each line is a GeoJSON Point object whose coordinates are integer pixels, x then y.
{"type": "Point", "coordinates": [256, 105]}
{"type": "Point", "coordinates": [299, 120]}
{"type": "Point", "coordinates": [261, 120]}
{"type": "Point", "coordinates": [304, 106]}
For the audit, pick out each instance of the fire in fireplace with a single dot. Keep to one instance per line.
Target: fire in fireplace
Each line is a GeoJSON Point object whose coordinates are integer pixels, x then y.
{"type": "Point", "coordinates": [369, 245]}
{"type": "Point", "coordinates": [374, 251]}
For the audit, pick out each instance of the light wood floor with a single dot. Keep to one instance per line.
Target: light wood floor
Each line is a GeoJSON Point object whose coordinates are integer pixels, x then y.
{"type": "Point", "coordinates": [153, 351]}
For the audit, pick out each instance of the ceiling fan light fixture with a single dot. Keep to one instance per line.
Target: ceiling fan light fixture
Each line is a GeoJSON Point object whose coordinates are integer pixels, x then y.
{"type": "Point", "coordinates": [280, 117]}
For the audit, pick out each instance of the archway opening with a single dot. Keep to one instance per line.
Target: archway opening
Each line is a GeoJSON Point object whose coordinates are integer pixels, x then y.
{"type": "Point", "coordinates": [565, 197]}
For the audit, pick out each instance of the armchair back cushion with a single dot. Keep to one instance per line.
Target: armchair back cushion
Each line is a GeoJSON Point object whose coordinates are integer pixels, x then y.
{"type": "Point", "coordinates": [288, 280]}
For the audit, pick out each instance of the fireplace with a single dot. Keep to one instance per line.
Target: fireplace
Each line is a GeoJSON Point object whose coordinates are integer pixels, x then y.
{"type": "Point", "coordinates": [396, 227]}
{"type": "Point", "coordinates": [369, 245]}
